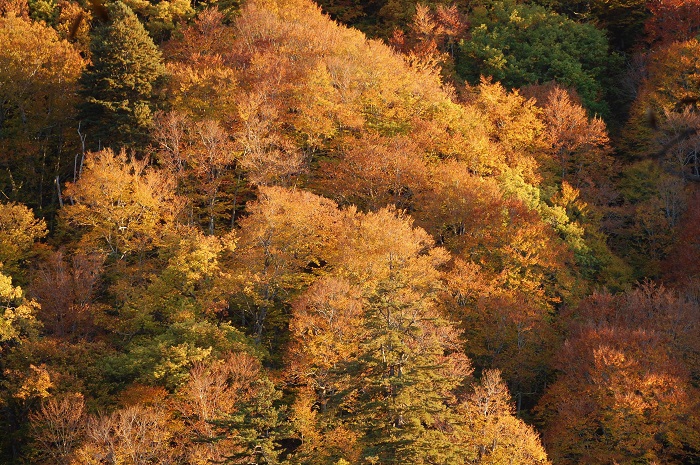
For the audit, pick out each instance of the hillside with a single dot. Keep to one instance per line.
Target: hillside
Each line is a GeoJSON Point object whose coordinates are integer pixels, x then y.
{"type": "Point", "coordinates": [248, 233]}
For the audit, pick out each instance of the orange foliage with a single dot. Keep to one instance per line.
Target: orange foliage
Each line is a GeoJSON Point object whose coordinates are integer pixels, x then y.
{"type": "Point", "coordinates": [120, 204]}
{"type": "Point", "coordinates": [498, 436]}
{"type": "Point", "coordinates": [376, 171]}
{"type": "Point", "coordinates": [625, 363]}
{"type": "Point", "coordinates": [673, 79]}
{"type": "Point", "coordinates": [579, 144]}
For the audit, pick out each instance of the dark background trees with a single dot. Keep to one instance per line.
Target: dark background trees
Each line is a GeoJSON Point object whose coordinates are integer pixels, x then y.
{"type": "Point", "coordinates": [119, 88]}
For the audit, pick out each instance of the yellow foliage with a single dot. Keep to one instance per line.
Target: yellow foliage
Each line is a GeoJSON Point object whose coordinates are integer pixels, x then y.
{"type": "Point", "coordinates": [17, 314]}
{"type": "Point", "coordinates": [122, 206]}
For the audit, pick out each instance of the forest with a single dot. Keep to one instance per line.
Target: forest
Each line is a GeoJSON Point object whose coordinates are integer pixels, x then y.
{"type": "Point", "coordinates": [355, 232]}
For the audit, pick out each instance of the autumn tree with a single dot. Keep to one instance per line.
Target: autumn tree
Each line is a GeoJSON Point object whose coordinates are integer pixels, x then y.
{"type": "Point", "coordinates": [169, 317]}
{"type": "Point", "coordinates": [230, 409]}
{"type": "Point", "coordinates": [432, 36]}
{"type": "Point", "coordinates": [381, 362]}
{"type": "Point", "coordinates": [19, 231]}
{"type": "Point", "coordinates": [636, 401]}
{"type": "Point", "coordinates": [161, 19]}
{"type": "Point", "coordinates": [201, 67]}
{"type": "Point", "coordinates": [58, 428]}
{"type": "Point", "coordinates": [120, 85]}
{"type": "Point", "coordinates": [579, 144]}
{"type": "Point", "coordinates": [137, 435]}
{"type": "Point", "coordinates": [377, 171]}
{"type": "Point", "coordinates": [680, 266]}
{"type": "Point", "coordinates": [511, 270]}
{"type": "Point", "coordinates": [66, 287]}
{"type": "Point", "coordinates": [120, 205]}
{"type": "Point", "coordinates": [513, 126]}
{"type": "Point", "coordinates": [38, 85]}
{"type": "Point", "coordinates": [286, 239]}
{"type": "Point", "coordinates": [18, 314]}
{"type": "Point", "coordinates": [669, 87]}
{"type": "Point", "coordinates": [661, 138]}
{"type": "Point", "coordinates": [23, 384]}
{"type": "Point", "coordinates": [201, 157]}
{"type": "Point", "coordinates": [671, 21]}
{"type": "Point", "coordinates": [497, 435]}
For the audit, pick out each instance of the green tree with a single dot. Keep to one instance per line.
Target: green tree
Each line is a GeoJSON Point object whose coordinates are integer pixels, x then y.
{"type": "Point", "coordinates": [519, 44]}
{"type": "Point", "coordinates": [120, 85]}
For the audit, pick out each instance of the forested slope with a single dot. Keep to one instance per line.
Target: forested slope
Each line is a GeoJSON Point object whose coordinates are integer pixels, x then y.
{"type": "Point", "coordinates": [247, 233]}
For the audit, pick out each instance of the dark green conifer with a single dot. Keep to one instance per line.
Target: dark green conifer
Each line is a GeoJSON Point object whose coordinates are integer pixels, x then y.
{"type": "Point", "coordinates": [120, 85]}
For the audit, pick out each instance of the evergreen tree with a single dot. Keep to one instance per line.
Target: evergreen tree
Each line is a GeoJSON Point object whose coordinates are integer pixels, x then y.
{"type": "Point", "coordinates": [404, 399]}
{"type": "Point", "coordinates": [520, 44]}
{"type": "Point", "coordinates": [120, 86]}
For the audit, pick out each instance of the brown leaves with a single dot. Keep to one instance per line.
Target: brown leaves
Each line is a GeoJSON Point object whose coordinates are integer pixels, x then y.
{"type": "Point", "coordinates": [579, 143]}
{"type": "Point", "coordinates": [58, 428]}
{"type": "Point", "coordinates": [65, 289]}
{"type": "Point", "coordinates": [628, 368]}
{"type": "Point", "coordinates": [136, 435]}
{"type": "Point", "coordinates": [671, 21]}
{"type": "Point", "coordinates": [377, 171]}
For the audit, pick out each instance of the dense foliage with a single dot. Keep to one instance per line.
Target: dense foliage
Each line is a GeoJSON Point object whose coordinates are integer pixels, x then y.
{"type": "Point", "coordinates": [520, 44]}
{"type": "Point", "coordinates": [243, 233]}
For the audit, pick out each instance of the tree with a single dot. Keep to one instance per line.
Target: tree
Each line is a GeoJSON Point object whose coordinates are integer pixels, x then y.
{"type": "Point", "coordinates": [509, 274]}
{"type": "Point", "coordinates": [513, 124]}
{"type": "Point", "coordinates": [432, 37]}
{"type": "Point", "coordinates": [201, 66]}
{"type": "Point", "coordinates": [19, 231]}
{"type": "Point", "coordinates": [681, 264]}
{"type": "Point", "coordinates": [18, 318]}
{"type": "Point", "coordinates": [38, 86]}
{"type": "Point", "coordinates": [66, 288]}
{"type": "Point", "coordinates": [670, 86]}
{"type": "Point", "coordinates": [497, 435]}
{"type": "Point", "coordinates": [579, 144]}
{"type": "Point", "coordinates": [135, 435]}
{"type": "Point", "coordinates": [120, 205]}
{"type": "Point", "coordinates": [22, 382]}
{"type": "Point", "coordinates": [201, 157]}
{"type": "Point", "coordinates": [229, 407]}
{"type": "Point", "coordinates": [375, 354]}
{"type": "Point", "coordinates": [623, 20]}
{"type": "Point", "coordinates": [289, 237]}
{"type": "Point", "coordinates": [161, 18]}
{"type": "Point", "coordinates": [375, 172]}
{"type": "Point", "coordinates": [672, 21]}
{"type": "Point", "coordinates": [119, 87]}
{"type": "Point", "coordinates": [167, 318]}
{"type": "Point", "coordinates": [58, 428]}
{"type": "Point", "coordinates": [519, 44]}
{"type": "Point", "coordinates": [630, 358]}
